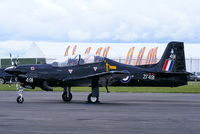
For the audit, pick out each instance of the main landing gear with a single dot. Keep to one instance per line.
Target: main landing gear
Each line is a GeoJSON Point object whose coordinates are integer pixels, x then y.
{"type": "Point", "coordinates": [94, 96]}
{"type": "Point", "coordinates": [92, 99]}
{"type": "Point", "coordinates": [20, 89]}
{"type": "Point", "coordinates": [67, 95]}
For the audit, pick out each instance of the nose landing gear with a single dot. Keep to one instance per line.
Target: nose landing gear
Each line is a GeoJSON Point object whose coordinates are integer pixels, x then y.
{"type": "Point", "coordinates": [20, 89]}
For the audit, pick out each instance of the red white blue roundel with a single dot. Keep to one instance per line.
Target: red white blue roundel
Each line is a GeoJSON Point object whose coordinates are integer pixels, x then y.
{"type": "Point", "coordinates": [127, 79]}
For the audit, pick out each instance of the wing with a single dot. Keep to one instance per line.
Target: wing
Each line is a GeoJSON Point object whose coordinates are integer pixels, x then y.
{"type": "Point", "coordinates": [105, 78]}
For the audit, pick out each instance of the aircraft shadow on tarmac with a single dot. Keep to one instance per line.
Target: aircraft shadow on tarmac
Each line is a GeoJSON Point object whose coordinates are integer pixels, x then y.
{"type": "Point", "coordinates": [113, 103]}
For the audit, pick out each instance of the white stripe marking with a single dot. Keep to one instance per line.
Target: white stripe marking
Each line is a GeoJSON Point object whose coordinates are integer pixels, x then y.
{"type": "Point", "coordinates": [168, 65]}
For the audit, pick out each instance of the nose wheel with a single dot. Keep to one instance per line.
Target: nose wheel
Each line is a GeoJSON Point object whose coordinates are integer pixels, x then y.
{"type": "Point", "coordinates": [20, 99]}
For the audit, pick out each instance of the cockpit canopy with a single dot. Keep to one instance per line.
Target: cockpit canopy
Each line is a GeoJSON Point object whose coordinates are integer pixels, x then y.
{"type": "Point", "coordinates": [78, 59]}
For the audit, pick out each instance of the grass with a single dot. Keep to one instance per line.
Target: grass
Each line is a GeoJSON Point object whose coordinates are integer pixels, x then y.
{"type": "Point", "coordinates": [192, 87]}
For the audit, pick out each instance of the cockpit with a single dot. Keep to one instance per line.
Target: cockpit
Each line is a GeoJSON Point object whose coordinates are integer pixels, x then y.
{"type": "Point", "coordinates": [78, 59]}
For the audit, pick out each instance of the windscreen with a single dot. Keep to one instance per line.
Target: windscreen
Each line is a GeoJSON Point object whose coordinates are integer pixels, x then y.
{"type": "Point", "coordinates": [79, 59]}
{"type": "Point", "coordinates": [87, 59]}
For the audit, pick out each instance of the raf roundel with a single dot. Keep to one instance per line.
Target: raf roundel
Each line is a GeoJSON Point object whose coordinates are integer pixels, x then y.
{"type": "Point", "coordinates": [127, 79]}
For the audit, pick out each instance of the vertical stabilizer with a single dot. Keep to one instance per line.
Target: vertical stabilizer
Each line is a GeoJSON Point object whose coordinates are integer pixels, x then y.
{"type": "Point", "coordinates": [173, 59]}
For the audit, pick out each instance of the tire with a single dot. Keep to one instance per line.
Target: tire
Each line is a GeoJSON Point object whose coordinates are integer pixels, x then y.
{"type": "Point", "coordinates": [2, 81]}
{"type": "Point", "coordinates": [92, 99]}
{"type": "Point", "coordinates": [66, 98]}
{"type": "Point", "coordinates": [20, 99]}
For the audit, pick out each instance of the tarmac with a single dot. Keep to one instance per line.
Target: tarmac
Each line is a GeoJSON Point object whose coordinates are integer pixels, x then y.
{"type": "Point", "coordinates": [117, 113]}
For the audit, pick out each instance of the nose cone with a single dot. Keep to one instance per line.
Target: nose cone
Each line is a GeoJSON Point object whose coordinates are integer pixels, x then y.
{"type": "Point", "coordinates": [11, 70]}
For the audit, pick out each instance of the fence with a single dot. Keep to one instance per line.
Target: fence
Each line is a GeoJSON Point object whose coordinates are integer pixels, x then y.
{"type": "Point", "coordinates": [193, 65]}
{"type": "Point", "coordinates": [22, 61]}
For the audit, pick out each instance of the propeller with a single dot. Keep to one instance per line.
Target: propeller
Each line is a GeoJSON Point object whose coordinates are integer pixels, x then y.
{"type": "Point", "coordinates": [14, 62]}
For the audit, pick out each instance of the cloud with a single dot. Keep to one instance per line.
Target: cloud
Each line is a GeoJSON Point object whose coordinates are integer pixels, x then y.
{"type": "Point", "coordinates": [77, 33]}
{"type": "Point", "coordinates": [100, 20]}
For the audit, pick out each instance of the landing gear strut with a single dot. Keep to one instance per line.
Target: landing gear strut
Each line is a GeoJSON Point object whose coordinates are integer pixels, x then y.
{"type": "Point", "coordinates": [94, 96]}
{"type": "Point", "coordinates": [67, 95]}
{"type": "Point", "coordinates": [20, 89]}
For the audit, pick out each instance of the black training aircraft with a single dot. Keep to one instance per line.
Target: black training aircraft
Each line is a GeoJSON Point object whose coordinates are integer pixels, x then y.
{"type": "Point", "coordinates": [96, 71]}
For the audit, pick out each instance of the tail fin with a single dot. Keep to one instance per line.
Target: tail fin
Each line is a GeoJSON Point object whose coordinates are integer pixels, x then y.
{"type": "Point", "coordinates": [173, 59]}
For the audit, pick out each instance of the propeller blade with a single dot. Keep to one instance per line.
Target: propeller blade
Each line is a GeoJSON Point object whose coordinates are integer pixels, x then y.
{"type": "Point", "coordinates": [11, 60]}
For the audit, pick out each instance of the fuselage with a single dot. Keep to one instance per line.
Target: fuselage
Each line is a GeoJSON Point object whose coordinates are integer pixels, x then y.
{"type": "Point", "coordinates": [35, 75]}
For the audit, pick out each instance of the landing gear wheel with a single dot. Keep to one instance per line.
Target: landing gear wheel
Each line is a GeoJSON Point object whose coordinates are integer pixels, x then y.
{"type": "Point", "coordinates": [2, 81]}
{"type": "Point", "coordinates": [92, 99]}
{"type": "Point", "coordinates": [67, 97]}
{"type": "Point", "coordinates": [20, 99]}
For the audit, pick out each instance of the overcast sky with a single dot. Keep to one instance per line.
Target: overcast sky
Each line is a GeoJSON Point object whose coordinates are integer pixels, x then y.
{"type": "Point", "coordinates": [100, 20]}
